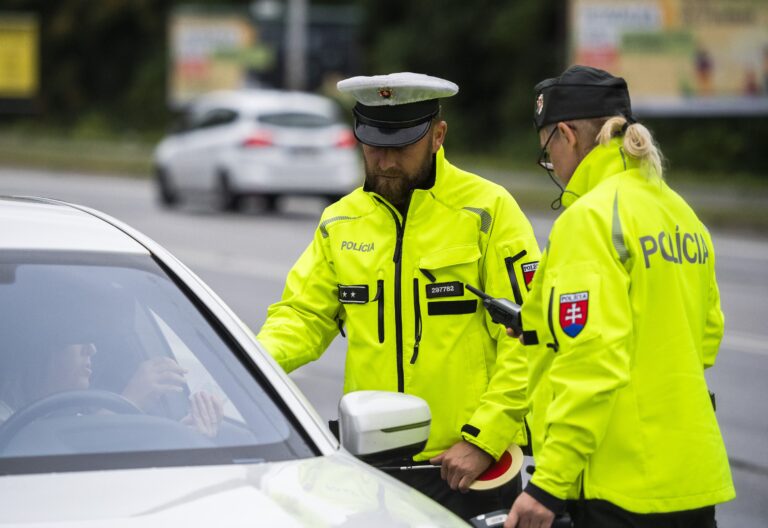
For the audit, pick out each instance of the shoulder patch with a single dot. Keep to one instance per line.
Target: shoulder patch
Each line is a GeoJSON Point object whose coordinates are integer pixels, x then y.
{"type": "Point", "coordinates": [574, 308]}
{"type": "Point", "coordinates": [529, 269]}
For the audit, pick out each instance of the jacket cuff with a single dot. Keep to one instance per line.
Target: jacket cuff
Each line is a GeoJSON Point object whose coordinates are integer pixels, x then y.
{"type": "Point", "coordinates": [549, 501]}
{"type": "Point", "coordinates": [471, 434]}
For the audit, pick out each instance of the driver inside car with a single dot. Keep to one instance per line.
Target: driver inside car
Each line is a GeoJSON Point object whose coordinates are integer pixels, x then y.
{"type": "Point", "coordinates": [69, 368]}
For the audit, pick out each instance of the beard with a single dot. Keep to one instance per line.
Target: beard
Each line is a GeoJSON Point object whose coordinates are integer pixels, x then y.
{"type": "Point", "coordinates": [395, 185]}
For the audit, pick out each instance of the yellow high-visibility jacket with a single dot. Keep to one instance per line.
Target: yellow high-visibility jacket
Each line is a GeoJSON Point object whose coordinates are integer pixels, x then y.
{"type": "Point", "coordinates": [626, 311]}
{"type": "Point", "coordinates": [398, 286]}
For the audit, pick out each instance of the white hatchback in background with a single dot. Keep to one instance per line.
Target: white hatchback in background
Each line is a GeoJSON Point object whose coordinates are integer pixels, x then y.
{"type": "Point", "coordinates": [266, 143]}
{"type": "Point", "coordinates": [86, 303]}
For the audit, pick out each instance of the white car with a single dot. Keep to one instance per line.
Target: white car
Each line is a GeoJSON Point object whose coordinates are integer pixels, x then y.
{"type": "Point", "coordinates": [267, 143]}
{"type": "Point", "coordinates": [130, 395]}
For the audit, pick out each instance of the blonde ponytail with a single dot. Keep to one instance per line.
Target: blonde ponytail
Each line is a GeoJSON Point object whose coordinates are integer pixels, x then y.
{"type": "Point", "coordinates": [637, 142]}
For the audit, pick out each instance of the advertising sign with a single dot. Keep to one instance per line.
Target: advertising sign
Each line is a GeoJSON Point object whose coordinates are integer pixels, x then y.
{"type": "Point", "coordinates": [18, 56]}
{"type": "Point", "coordinates": [211, 51]}
{"type": "Point", "coordinates": [679, 57]}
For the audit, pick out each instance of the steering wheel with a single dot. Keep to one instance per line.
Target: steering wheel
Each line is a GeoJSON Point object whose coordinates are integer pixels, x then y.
{"type": "Point", "coordinates": [60, 401]}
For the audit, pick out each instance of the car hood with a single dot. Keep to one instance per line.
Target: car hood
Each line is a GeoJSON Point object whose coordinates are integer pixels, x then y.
{"type": "Point", "coordinates": [334, 490]}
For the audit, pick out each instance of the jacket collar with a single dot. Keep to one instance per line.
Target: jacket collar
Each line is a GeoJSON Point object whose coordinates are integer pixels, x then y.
{"type": "Point", "coordinates": [601, 163]}
{"type": "Point", "coordinates": [431, 186]}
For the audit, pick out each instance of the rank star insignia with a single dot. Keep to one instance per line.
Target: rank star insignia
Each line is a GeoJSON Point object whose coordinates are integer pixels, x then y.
{"type": "Point", "coordinates": [385, 93]}
{"type": "Point", "coordinates": [353, 293]}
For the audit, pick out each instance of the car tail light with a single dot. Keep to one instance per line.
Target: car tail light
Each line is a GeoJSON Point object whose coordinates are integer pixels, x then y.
{"type": "Point", "coordinates": [258, 139]}
{"type": "Point", "coordinates": [346, 140]}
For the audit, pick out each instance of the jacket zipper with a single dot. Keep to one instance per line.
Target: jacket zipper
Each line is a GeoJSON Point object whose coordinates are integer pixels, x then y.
{"type": "Point", "coordinates": [417, 322]}
{"type": "Point", "coordinates": [380, 299]}
{"type": "Point", "coordinates": [397, 259]}
{"type": "Point", "coordinates": [554, 346]}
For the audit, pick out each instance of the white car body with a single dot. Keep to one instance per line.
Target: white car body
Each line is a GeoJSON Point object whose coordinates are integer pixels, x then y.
{"type": "Point", "coordinates": [328, 488]}
{"type": "Point", "coordinates": [259, 142]}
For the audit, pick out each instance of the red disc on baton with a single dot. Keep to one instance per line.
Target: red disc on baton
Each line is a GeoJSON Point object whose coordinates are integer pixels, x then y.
{"type": "Point", "coordinates": [501, 472]}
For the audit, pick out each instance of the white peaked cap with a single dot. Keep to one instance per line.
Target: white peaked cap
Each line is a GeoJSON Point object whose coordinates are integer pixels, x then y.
{"type": "Point", "coordinates": [397, 88]}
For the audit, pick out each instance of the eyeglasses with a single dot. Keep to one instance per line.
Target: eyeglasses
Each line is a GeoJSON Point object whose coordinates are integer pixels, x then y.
{"type": "Point", "coordinates": [544, 161]}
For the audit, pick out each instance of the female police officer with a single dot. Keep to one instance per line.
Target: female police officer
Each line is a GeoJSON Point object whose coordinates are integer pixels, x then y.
{"type": "Point", "coordinates": [627, 316]}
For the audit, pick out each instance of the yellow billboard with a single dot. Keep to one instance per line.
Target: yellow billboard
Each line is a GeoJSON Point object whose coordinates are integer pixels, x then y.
{"type": "Point", "coordinates": [694, 57]}
{"type": "Point", "coordinates": [18, 56]}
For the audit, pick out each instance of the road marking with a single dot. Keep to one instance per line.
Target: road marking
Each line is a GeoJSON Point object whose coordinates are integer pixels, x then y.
{"type": "Point", "coordinates": [748, 343]}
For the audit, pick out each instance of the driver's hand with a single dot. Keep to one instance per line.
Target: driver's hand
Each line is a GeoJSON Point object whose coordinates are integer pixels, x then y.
{"type": "Point", "coordinates": [154, 378]}
{"type": "Point", "coordinates": [205, 413]}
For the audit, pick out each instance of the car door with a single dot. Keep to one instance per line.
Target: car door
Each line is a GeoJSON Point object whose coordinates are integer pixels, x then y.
{"type": "Point", "coordinates": [205, 145]}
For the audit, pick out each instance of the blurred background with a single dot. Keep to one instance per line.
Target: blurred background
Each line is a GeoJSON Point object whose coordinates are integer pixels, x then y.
{"type": "Point", "coordinates": [116, 71]}
{"type": "Point", "coordinates": [89, 88]}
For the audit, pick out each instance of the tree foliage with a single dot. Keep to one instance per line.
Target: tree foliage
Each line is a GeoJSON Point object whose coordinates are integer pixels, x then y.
{"type": "Point", "coordinates": [495, 50]}
{"type": "Point", "coordinates": [100, 61]}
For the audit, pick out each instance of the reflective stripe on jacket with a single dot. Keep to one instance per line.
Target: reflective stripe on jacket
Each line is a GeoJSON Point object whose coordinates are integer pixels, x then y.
{"type": "Point", "coordinates": [398, 286]}
{"type": "Point", "coordinates": [627, 313]}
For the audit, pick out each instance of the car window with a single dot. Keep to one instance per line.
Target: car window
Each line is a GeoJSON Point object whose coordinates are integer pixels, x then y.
{"type": "Point", "coordinates": [216, 117]}
{"type": "Point", "coordinates": [105, 354]}
{"type": "Point", "coordinates": [296, 120]}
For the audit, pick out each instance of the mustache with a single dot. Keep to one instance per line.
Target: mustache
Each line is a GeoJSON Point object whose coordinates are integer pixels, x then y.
{"type": "Point", "coordinates": [389, 173]}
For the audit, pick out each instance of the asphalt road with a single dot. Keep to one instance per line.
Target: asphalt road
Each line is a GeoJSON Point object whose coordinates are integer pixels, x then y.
{"type": "Point", "coordinates": [244, 258]}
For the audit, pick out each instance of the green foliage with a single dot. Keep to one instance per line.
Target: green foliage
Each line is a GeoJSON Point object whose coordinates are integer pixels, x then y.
{"type": "Point", "coordinates": [494, 50]}
{"type": "Point", "coordinates": [105, 58]}
{"type": "Point", "coordinates": [713, 145]}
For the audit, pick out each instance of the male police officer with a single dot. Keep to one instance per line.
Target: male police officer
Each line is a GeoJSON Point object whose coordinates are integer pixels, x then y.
{"type": "Point", "coordinates": [390, 262]}
{"type": "Point", "coordinates": [627, 314]}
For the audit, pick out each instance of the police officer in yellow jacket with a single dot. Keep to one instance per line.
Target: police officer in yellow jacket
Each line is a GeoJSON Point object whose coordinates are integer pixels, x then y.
{"type": "Point", "coordinates": [627, 316]}
{"type": "Point", "coordinates": [389, 263]}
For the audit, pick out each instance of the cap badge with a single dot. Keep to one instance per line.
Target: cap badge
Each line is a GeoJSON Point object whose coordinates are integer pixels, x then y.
{"type": "Point", "coordinates": [539, 104]}
{"type": "Point", "coordinates": [385, 93]}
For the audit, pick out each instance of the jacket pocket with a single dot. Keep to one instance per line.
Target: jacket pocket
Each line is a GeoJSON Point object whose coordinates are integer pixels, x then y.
{"type": "Point", "coordinates": [453, 256]}
{"type": "Point", "coordinates": [417, 320]}
{"type": "Point", "coordinates": [451, 269]}
{"type": "Point", "coordinates": [380, 308]}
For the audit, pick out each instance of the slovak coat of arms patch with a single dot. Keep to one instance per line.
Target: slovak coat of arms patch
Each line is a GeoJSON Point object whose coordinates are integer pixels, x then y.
{"type": "Point", "coordinates": [574, 308]}
{"type": "Point", "coordinates": [529, 270]}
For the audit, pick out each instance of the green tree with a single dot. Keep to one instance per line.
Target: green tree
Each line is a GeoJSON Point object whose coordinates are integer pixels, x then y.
{"type": "Point", "coordinates": [495, 50]}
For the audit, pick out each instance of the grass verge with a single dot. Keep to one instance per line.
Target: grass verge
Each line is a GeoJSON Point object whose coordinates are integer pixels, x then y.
{"type": "Point", "coordinates": [737, 201]}
{"type": "Point", "coordinates": [130, 158]}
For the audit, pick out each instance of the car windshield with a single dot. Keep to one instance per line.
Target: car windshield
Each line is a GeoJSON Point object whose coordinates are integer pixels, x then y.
{"type": "Point", "coordinates": [296, 120]}
{"type": "Point", "coordinates": [106, 363]}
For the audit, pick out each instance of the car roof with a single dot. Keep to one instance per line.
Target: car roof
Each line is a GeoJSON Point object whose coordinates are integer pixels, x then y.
{"type": "Point", "coordinates": [43, 224]}
{"type": "Point", "coordinates": [258, 101]}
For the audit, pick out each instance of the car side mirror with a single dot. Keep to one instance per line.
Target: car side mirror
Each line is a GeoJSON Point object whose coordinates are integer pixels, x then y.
{"type": "Point", "coordinates": [380, 427]}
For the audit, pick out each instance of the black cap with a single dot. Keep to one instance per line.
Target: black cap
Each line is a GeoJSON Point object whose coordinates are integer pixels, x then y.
{"type": "Point", "coordinates": [581, 92]}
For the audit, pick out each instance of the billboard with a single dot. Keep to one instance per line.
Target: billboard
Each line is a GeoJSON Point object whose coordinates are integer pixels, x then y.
{"type": "Point", "coordinates": [211, 50]}
{"type": "Point", "coordinates": [679, 57]}
{"type": "Point", "coordinates": [19, 72]}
